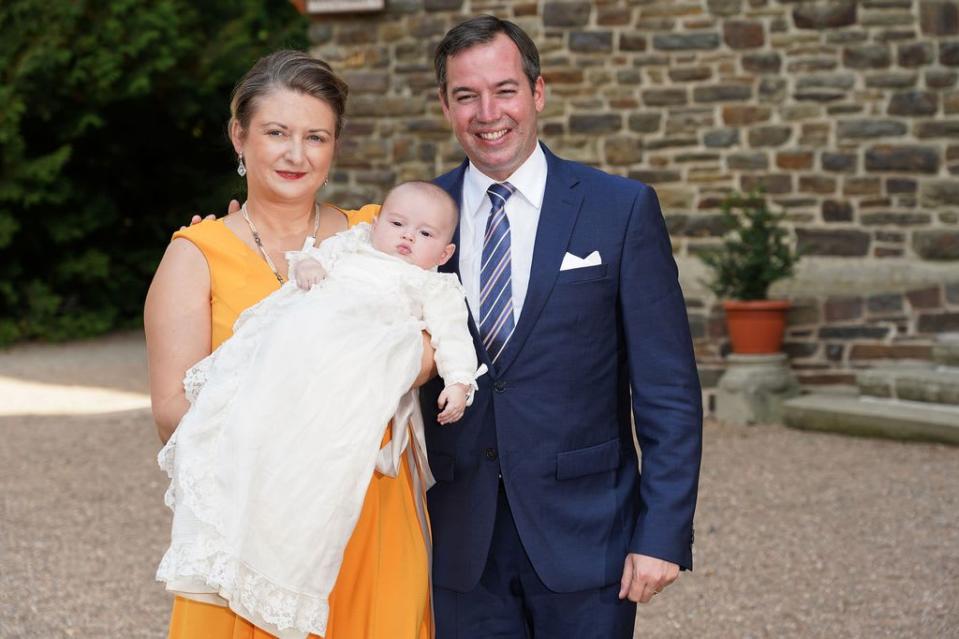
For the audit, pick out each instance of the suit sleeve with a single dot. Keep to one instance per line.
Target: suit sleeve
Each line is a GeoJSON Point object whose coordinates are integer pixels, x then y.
{"type": "Point", "coordinates": [666, 395]}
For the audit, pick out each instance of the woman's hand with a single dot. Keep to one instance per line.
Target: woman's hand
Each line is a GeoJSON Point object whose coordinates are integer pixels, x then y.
{"type": "Point", "coordinates": [452, 401]}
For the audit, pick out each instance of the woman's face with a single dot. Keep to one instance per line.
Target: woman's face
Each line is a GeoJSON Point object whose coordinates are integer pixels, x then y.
{"type": "Point", "coordinates": [288, 148]}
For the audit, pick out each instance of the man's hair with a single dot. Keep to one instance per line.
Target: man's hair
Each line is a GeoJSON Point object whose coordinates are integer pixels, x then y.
{"type": "Point", "coordinates": [482, 30]}
{"type": "Point", "coordinates": [433, 191]}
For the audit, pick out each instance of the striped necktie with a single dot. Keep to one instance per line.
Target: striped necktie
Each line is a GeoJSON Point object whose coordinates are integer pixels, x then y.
{"type": "Point", "coordinates": [496, 292]}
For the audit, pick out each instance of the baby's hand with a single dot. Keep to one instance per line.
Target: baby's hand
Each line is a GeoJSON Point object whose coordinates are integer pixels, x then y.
{"type": "Point", "coordinates": [309, 273]}
{"type": "Point", "coordinates": [453, 403]}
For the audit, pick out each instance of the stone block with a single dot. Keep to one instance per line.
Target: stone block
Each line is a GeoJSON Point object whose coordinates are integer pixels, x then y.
{"type": "Point", "coordinates": [442, 5]}
{"type": "Point", "coordinates": [938, 323]}
{"type": "Point", "coordinates": [800, 350]}
{"type": "Point", "coordinates": [743, 34]}
{"type": "Point", "coordinates": [935, 193]}
{"type": "Point", "coordinates": [722, 93]}
{"type": "Point", "coordinates": [949, 53]}
{"type": "Point", "coordinates": [871, 128]}
{"type": "Point", "coordinates": [833, 242]}
{"type": "Point", "coordinates": [655, 176]}
{"type": "Point", "coordinates": [802, 313]}
{"type": "Point", "coordinates": [862, 186]}
{"type": "Point", "coordinates": [701, 225]}
{"type": "Point", "coordinates": [613, 16]}
{"type": "Point", "coordinates": [937, 244]}
{"type": "Point", "coordinates": [753, 389]}
{"type": "Point", "coordinates": [952, 294]}
{"type": "Point", "coordinates": [724, 7]}
{"type": "Point", "coordinates": [763, 62]}
{"type": "Point", "coordinates": [885, 304]}
{"type": "Point", "coordinates": [632, 42]}
{"type": "Point", "coordinates": [838, 162]}
{"type": "Point", "coordinates": [320, 33]}
{"type": "Point", "coordinates": [892, 80]}
{"type": "Point", "coordinates": [867, 56]}
{"type": "Point", "coordinates": [853, 332]}
{"type": "Point", "coordinates": [925, 298]}
{"type": "Point", "coordinates": [938, 129]}
{"type": "Point", "coordinates": [696, 41]}
{"type": "Point", "coordinates": [367, 81]}
{"type": "Point", "coordinates": [905, 158]}
{"type": "Point", "coordinates": [892, 218]}
{"type": "Point", "coordinates": [794, 160]}
{"type": "Point", "coordinates": [591, 41]}
{"type": "Point", "coordinates": [896, 186]}
{"type": "Point", "coordinates": [833, 211]}
{"type": "Point", "coordinates": [747, 161]}
{"type": "Point", "coordinates": [566, 14]}
{"type": "Point", "coordinates": [665, 97]}
{"type": "Point", "coordinates": [775, 184]}
{"type": "Point", "coordinates": [672, 142]}
{"type": "Point", "coordinates": [645, 122]}
{"type": "Point", "coordinates": [915, 54]}
{"type": "Point", "coordinates": [690, 74]}
{"type": "Point", "coordinates": [772, 88]}
{"type": "Point", "coordinates": [744, 115]}
{"type": "Point", "coordinates": [385, 106]}
{"type": "Point", "coordinates": [623, 150]}
{"type": "Point", "coordinates": [595, 123]}
{"type": "Point", "coordinates": [915, 103]}
{"type": "Point", "coordinates": [843, 308]}
{"type": "Point", "coordinates": [821, 184]}
{"type": "Point", "coordinates": [890, 351]}
{"type": "Point", "coordinates": [721, 138]}
{"type": "Point", "coordinates": [772, 135]}
{"type": "Point", "coordinates": [565, 75]}
{"type": "Point", "coordinates": [938, 17]}
{"type": "Point", "coordinates": [814, 134]}
{"type": "Point", "coordinates": [832, 14]}
{"type": "Point", "coordinates": [812, 64]}
{"type": "Point", "coordinates": [940, 79]}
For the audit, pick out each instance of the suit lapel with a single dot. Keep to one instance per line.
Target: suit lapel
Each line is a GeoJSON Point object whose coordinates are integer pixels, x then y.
{"type": "Point", "coordinates": [561, 204]}
{"type": "Point", "coordinates": [452, 183]}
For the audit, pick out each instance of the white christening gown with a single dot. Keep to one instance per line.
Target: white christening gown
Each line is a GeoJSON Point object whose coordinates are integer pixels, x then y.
{"type": "Point", "coordinates": [270, 465]}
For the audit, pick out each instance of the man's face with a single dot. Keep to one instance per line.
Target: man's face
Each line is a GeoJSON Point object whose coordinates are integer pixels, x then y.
{"type": "Point", "coordinates": [491, 106]}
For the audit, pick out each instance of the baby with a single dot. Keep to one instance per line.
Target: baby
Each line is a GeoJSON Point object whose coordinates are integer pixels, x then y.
{"type": "Point", "coordinates": [270, 465]}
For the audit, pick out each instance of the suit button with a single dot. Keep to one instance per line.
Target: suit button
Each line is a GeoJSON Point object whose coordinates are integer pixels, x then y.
{"type": "Point", "coordinates": [491, 454]}
{"type": "Point", "coordinates": [499, 386]}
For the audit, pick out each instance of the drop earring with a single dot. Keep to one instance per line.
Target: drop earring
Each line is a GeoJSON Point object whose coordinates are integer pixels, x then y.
{"type": "Point", "coordinates": [241, 168]}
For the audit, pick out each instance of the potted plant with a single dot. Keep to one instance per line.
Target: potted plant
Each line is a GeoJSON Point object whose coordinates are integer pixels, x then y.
{"type": "Point", "coordinates": [754, 254]}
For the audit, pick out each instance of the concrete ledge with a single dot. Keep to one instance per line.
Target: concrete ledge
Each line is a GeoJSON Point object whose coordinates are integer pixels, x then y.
{"type": "Point", "coordinates": [869, 417]}
{"type": "Point", "coordinates": [930, 385]}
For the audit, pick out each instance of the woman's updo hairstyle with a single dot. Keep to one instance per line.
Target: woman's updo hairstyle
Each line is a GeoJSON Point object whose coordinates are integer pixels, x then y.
{"type": "Point", "coordinates": [293, 70]}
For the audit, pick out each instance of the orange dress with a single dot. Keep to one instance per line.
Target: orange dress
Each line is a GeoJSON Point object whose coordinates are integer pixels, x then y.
{"type": "Point", "coordinates": [382, 590]}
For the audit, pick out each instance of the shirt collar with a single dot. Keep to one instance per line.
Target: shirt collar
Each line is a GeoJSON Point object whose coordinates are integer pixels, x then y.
{"type": "Point", "coordinates": [529, 180]}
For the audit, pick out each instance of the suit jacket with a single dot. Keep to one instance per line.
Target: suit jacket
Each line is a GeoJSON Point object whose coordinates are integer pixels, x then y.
{"type": "Point", "coordinates": [593, 348]}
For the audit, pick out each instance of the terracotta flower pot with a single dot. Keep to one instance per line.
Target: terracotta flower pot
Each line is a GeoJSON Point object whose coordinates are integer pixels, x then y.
{"type": "Point", "coordinates": [756, 327]}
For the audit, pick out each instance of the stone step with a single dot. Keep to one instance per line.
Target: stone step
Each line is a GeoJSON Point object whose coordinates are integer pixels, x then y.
{"type": "Point", "coordinates": [935, 385]}
{"type": "Point", "coordinates": [946, 349]}
{"type": "Point", "coordinates": [873, 417]}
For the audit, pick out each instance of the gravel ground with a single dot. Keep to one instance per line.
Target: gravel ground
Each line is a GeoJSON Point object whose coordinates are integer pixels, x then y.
{"type": "Point", "coordinates": [797, 535]}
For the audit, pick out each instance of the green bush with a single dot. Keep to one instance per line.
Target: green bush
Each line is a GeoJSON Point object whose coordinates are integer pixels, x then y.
{"type": "Point", "coordinates": [112, 132]}
{"type": "Point", "coordinates": [755, 252]}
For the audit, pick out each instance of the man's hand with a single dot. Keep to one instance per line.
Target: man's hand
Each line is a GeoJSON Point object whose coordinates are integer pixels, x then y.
{"type": "Point", "coordinates": [233, 207]}
{"type": "Point", "coordinates": [645, 576]}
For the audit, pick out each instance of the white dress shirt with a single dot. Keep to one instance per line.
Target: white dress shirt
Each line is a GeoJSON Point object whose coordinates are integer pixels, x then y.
{"type": "Point", "coordinates": [522, 211]}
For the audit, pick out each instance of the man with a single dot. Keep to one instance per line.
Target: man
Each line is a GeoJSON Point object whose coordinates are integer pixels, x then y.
{"type": "Point", "coordinates": [542, 525]}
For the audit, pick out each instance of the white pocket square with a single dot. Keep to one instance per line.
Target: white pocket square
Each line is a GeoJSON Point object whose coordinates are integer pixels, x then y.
{"type": "Point", "coordinates": [571, 261]}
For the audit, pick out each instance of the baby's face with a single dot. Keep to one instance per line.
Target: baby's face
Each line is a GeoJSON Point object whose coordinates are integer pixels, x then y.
{"type": "Point", "coordinates": [415, 227]}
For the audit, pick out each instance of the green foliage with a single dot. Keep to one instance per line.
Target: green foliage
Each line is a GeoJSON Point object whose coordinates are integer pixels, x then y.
{"type": "Point", "coordinates": [755, 252]}
{"type": "Point", "coordinates": [112, 132]}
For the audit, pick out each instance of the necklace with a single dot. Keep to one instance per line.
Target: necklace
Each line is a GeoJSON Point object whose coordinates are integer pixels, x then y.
{"type": "Point", "coordinates": [259, 242]}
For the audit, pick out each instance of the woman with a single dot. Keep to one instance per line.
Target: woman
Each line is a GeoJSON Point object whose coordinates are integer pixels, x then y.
{"type": "Point", "coordinates": [286, 117]}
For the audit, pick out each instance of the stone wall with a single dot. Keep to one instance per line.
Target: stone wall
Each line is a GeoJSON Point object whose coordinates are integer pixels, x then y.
{"type": "Point", "coordinates": [846, 113]}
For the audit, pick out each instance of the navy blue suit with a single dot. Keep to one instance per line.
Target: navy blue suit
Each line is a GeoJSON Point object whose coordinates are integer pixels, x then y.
{"type": "Point", "coordinates": [593, 347]}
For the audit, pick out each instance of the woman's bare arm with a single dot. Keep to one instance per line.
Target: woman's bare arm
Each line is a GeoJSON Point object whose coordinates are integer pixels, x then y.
{"type": "Point", "coordinates": [176, 319]}
{"type": "Point", "coordinates": [427, 365]}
